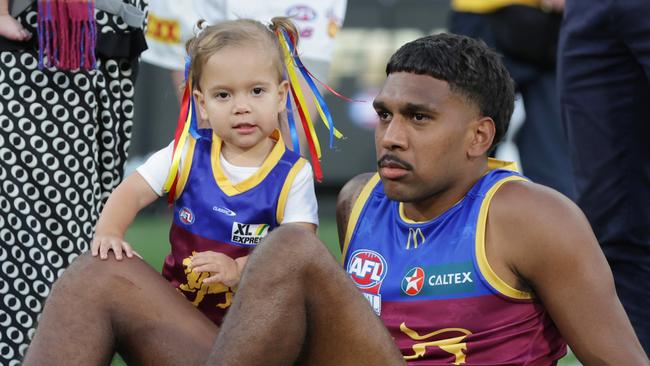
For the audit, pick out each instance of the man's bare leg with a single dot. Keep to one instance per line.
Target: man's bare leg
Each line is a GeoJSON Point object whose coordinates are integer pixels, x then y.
{"type": "Point", "coordinates": [296, 305]}
{"type": "Point", "coordinates": [98, 307]}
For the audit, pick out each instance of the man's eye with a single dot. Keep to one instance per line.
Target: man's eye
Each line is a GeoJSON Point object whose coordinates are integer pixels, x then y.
{"type": "Point", "coordinates": [420, 117]}
{"type": "Point", "coordinates": [383, 115]}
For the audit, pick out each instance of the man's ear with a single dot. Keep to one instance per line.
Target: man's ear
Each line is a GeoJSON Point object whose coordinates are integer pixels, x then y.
{"type": "Point", "coordinates": [283, 89]}
{"type": "Point", "coordinates": [482, 132]}
{"type": "Point", "coordinates": [200, 102]}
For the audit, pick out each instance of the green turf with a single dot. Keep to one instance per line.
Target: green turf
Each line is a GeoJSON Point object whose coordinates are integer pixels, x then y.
{"type": "Point", "coordinates": [149, 235]}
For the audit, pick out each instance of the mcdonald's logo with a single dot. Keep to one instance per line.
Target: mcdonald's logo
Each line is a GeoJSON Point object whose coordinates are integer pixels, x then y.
{"type": "Point", "coordinates": [415, 237]}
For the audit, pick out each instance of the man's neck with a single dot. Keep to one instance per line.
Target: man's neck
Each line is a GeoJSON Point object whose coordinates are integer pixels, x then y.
{"type": "Point", "coordinates": [435, 205]}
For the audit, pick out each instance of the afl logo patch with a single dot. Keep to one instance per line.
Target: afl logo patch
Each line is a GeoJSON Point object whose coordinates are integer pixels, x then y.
{"type": "Point", "coordinates": [186, 216]}
{"type": "Point", "coordinates": [413, 281]}
{"type": "Point", "coordinates": [367, 268]}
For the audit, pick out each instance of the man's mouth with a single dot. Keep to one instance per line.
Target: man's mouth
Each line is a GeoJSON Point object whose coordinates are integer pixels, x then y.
{"type": "Point", "coordinates": [391, 167]}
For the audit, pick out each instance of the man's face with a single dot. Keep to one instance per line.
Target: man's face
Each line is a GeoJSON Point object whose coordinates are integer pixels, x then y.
{"type": "Point", "coordinates": [422, 136]}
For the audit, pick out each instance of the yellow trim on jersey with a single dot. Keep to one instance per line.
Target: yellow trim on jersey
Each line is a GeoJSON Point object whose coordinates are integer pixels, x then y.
{"type": "Point", "coordinates": [185, 168]}
{"type": "Point", "coordinates": [492, 164]}
{"type": "Point", "coordinates": [286, 187]}
{"type": "Point", "coordinates": [502, 164]}
{"type": "Point", "coordinates": [481, 257]}
{"type": "Point", "coordinates": [488, 6]}
{"type": "Point", "coordinates": [356, 211]}
{"type": "Point", "coordinates": [234, 189]}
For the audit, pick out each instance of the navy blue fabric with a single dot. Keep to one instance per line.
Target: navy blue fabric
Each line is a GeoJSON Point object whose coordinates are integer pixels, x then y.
{"type": "Point", "coordinates": [541, 140]}
{"type": "Point", "coordinates": [604, 68]}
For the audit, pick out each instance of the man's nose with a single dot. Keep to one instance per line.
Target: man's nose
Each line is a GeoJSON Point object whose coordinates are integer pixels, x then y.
{"type": "Point", "coordinates": [395, 135]}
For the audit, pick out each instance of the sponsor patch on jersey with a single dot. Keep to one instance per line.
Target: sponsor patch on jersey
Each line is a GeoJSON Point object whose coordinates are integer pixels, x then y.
{"type": "Point", "coordinates": [368, 269]}
{"type": "Point", "coordinates": [413, 281]}
{"type": "Point", "coordinates": [224, 210]}
{"type": "Point", "coordinates": [248, 234]}
{"type": "Point", "coordinates": [447, 279]}
{"type": "Point", "coordinates": [186, 216]}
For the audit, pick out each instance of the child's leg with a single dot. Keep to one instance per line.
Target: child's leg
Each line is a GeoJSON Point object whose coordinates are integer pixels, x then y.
{"type": "Point", "coordinates": [98, 307]}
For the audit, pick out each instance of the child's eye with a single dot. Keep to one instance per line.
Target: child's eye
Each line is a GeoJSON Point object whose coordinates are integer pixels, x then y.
{"type": "Point", "coordinates": [222, 95]}
{"type": "Point", "coordinates": [257, 91]}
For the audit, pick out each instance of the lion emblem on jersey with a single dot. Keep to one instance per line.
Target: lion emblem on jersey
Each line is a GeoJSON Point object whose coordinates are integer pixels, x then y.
{"type": "Point", "coordinates": [195, 285]}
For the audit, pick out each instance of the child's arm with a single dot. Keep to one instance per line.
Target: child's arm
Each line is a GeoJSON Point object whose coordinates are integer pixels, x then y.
{"type": "Point", "coordinates": [224, 269]}
{"type": "Point", "coordinates": [133, 194]}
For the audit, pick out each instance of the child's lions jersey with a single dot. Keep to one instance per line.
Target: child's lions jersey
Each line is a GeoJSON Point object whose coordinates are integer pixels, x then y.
{"type": "Point", "coordinates": [212, 214]}
{"type": "Point", "coordinates": [432, 286]}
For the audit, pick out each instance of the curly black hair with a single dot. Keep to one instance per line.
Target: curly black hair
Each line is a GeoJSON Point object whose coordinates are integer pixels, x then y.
{"type": "Point", "coordinates": [469, 66]}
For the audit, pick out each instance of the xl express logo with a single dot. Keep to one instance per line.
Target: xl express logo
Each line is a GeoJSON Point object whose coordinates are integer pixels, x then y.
{"type": "Point", "coordinates": [248, 234]}
{"type": "Point", "coordinates": [447, 279]}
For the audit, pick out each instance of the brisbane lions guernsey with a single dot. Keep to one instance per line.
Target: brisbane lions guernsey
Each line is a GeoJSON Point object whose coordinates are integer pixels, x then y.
{"type": "Point", "coordinates": [432, 286]}
{"type": "Point", "coordinates": [211, 213]}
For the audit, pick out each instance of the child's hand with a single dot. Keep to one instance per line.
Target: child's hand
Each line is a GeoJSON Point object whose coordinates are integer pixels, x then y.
{"type": "Point", "coordinates": [222, 268]}
{"type": "Point", "coordinates": [101, 244]}
{"type": "Point", "coordinates": [12, 30]}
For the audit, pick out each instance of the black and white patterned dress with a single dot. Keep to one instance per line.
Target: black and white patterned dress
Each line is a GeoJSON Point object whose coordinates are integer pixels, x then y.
{"type": "Point", "coordinates": [63, 144]}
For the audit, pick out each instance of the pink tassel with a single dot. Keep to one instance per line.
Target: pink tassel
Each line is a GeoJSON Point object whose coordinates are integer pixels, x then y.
{"type": "Point", "coordinates": [67, 34]}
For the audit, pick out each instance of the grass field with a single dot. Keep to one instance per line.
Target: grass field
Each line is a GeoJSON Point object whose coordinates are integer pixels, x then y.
{"type": "Point", "coordinates": [149, 236]}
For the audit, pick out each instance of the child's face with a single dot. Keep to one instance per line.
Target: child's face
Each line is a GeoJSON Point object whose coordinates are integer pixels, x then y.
{"type": "Point", "coordinates": [241, 96]}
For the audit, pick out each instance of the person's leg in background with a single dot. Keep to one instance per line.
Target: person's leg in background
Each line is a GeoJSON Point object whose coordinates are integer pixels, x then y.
{"type": "Point", "coordinates": [605, 99]}
{"type": "Point", "coordinates": [541, 140]}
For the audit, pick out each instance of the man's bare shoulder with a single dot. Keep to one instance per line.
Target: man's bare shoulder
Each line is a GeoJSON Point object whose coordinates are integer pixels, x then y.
{"type": "Point", "coordinates": [533, 226]}
{"type": "Point", "coordinates": [348, 195]}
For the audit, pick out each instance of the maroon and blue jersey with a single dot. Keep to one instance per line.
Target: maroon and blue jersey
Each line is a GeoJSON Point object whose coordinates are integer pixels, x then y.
{"type": "Point", "coordinates": [432, 286]}
{"type": "Point", "coordinates": [213, 214]}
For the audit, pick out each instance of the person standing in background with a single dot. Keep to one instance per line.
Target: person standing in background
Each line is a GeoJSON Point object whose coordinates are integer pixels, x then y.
{"type": "Point", "coordinates": [604, 82]}
{"type": "Point", "coordinates": [525, 32]}
{"type": "Point", "coordinates": [66, 115]}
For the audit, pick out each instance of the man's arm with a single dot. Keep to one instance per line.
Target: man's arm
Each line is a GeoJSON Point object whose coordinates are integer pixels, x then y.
{"type": "Point", "coordinates": [539, 240]}
{"type": "Point", "coordinates": [348, 195]}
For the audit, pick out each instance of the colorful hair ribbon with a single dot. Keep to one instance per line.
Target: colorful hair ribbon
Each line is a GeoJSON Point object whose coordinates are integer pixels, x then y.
{"type": "Point", "coordinates": [321, 106]}
{"type": "Point", "coordinates": [186, 126]}
{"type": "Point", "coordinates": [292, 60]}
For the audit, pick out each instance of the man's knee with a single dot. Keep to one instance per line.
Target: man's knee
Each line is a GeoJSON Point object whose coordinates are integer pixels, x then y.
{"type": "Point", "coordinates": [292, 243]}
{"type": "Point", "coordinates": [91, 275]}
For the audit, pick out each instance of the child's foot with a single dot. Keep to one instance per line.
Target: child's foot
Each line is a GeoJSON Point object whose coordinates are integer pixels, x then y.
{"type": "Point", "coordinates": [11, 29]}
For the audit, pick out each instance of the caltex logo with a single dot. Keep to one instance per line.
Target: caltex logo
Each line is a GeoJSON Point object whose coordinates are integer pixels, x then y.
{"type": "Point", "coordinates": [186, 216]}
{"type": "Point", "coordinates": [413, 281]}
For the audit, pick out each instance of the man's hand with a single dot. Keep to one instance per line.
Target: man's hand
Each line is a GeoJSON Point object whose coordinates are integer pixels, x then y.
{"type": "Point", "coordinates": [222, 268]}
{"type": "Point", "coordinates": [101, 244]}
